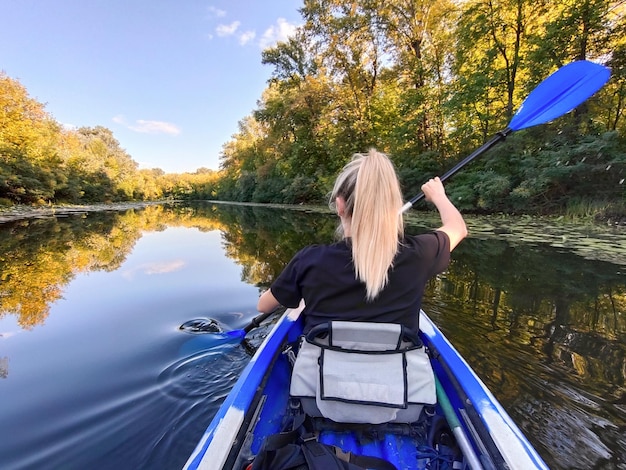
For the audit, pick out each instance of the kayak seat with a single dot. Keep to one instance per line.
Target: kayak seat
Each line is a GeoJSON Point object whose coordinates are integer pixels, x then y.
{"type": "Point", "coordinates": [363, 372]}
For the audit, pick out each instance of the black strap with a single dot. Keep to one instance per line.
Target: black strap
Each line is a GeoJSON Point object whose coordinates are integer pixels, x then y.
{"type": "Point", "coordinates": [326, 457]}
{"type": "Point", "coordinates": [321, 457]}
{"type": "Point", "coordinates": [276, 441]}
{"type": "Point", "coordinates": [359, 461]}
{"type": "Point", "coordinates": [373, 463]}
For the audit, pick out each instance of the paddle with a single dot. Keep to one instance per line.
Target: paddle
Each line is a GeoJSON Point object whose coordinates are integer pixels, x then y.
{"type": "Point", "coordinates": [558, 94]}
{"type": "Point", "coordinates": [254, 323]}
{"type": "Point", "coordinates": [209, 339]}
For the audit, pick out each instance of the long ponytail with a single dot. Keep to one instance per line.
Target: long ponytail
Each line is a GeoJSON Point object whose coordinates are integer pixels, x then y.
{"type": "Point", "coordinates": [371, 191]}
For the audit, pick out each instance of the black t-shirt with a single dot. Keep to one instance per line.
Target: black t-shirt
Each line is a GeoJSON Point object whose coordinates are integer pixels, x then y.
{"type": "Point", "coordinates": [323, 275]}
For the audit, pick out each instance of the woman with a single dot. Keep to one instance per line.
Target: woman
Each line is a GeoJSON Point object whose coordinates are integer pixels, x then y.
{"type": "Point", "coordinates": [375, 273]}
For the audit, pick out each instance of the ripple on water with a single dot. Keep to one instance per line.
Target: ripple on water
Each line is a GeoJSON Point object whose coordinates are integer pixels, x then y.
{"type": "Point", "coordinates": [208, 373]}
{"type": "Point", "coordinates": [196, 385]}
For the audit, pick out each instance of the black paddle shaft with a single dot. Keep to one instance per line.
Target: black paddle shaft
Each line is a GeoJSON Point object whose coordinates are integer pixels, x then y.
{"type": "Point", "coordinates": [256, 321]}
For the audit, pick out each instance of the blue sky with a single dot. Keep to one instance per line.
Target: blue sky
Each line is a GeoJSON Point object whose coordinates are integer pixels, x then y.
{"type": "Point", "coordinates": [170, 78]}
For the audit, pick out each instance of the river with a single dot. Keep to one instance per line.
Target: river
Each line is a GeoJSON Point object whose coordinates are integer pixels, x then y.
{"type": "Point", "coordinates": [96, 373]}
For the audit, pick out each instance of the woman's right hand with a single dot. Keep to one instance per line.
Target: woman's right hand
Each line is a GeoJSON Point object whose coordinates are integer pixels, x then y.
{"type": "Point", "coordinates": [433, 190]}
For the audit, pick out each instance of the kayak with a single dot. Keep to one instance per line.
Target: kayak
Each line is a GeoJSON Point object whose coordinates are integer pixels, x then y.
{"type": "Point", "coordinates": [480, 432]}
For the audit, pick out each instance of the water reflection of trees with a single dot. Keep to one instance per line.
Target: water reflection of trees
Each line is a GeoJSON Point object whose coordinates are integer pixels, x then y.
{"type": "Point", "coordinates": [263, 240]}
{"type": "Point", "coordinates": [40, 256]}
{"type": "Point", "coordinates": [541, 326]}
{"type": "Point", "coordinates": [560, 305]}
{"type": "Point", "coordinates": [547, 289]}
{"type": "Point", "coordinates": [557, 304]}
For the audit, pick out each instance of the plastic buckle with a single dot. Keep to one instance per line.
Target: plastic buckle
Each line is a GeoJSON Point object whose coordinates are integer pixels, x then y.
{"type": "Point", "coordinates": [291, 356]}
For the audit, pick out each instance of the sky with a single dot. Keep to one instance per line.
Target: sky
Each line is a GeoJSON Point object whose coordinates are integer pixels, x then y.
{"type": "Point", "coordinates": [170, 78]}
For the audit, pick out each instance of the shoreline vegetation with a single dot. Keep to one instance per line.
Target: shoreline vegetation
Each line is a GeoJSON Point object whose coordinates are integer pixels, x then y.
{"type": "Point", "coordinates": [22, 211]}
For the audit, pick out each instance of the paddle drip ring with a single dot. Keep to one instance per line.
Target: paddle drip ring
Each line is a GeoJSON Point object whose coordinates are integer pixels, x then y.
{"type": "Point", "coordinates": [201, 325]}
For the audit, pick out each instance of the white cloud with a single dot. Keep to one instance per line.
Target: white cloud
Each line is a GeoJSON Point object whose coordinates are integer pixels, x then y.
{"type": "Point", "coordinates": [163, 268]}
{"type": "Point", "coordinates": [154, 268]}
{"type": "Point", "coordinates": [155, 127]}
{"type": "Point", "coordinates": [227, 29]}
{"type": "Point", "coordinates": [148, 127]}
{"type": "Point", "coordinates": [246, 37]}
{"type": "Point", "coordinates": [216, 12]}
{"type": "Point", "coordinates": [281, 31]}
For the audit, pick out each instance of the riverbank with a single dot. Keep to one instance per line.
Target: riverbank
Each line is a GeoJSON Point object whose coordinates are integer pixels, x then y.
{"type": "Point", "coordinates": [19, 212]}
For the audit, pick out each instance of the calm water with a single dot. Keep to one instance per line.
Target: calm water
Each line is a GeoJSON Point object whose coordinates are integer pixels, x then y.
{"type": "Point", "coordinates": [95, 372]}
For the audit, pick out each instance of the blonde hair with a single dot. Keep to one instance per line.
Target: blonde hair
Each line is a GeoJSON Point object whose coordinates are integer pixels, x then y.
{"type": "Point", "coordinates": [371, 191]}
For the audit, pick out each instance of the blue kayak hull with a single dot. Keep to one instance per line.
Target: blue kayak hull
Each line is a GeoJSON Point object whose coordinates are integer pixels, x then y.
{"type": "Point", "coordinates": [257, 404]}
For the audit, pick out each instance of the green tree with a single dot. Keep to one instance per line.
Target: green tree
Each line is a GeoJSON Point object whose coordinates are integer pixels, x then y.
{"type": "Point", "coordinates": [105, 158]}
{"type": "Point", "coordinates": [350, 49]}
{"type": "Point", "coordinates": [418, 35]}
{"type": "Point", "coordinates": [29, 165]}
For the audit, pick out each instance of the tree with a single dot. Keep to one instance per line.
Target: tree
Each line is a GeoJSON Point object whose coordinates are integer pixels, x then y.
{"type": "Point", "coordinates": [418, 34]}
{"type": "Point", "coordinates": [488, 65]}
{"type": "Point", "coordinates": [350, 51]}
{"type": "Point", "coordinates": [105, 157]}
{"type": "Point", "coordinates": [29, 165]}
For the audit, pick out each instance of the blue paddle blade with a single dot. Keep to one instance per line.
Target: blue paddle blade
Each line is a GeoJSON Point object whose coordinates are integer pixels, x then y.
{"type": "Point", "coordinates": [561, 92]}
{"type": "Point", "coordinates": [202, 342]}
{"type": "Point", "coordinates": [235, 334]}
